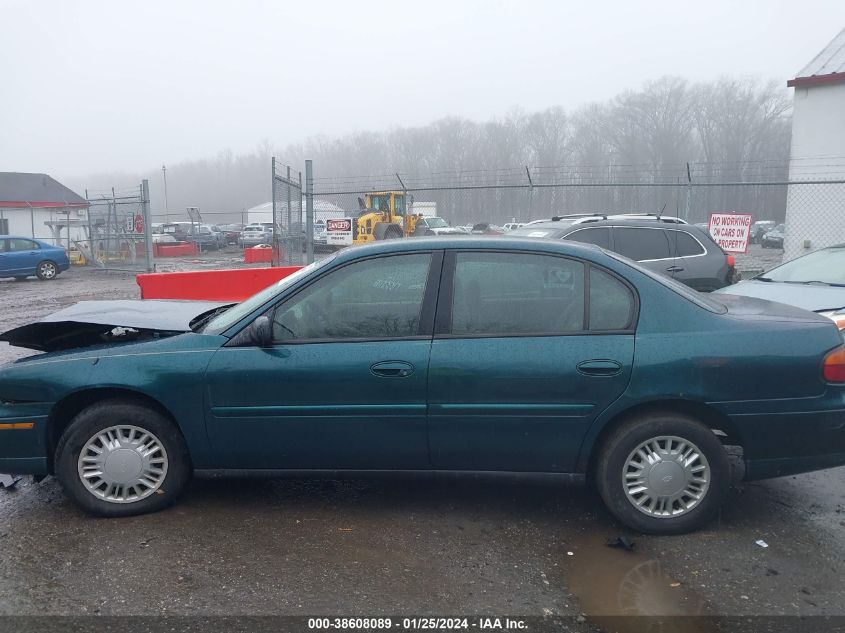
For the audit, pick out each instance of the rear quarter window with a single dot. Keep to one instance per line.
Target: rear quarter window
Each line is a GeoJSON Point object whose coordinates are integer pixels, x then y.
{"type": "Point", "coordinates": [686, 245]}
{"type": "Point", "coordinates": [700, 299]}
{"type": "Point", "coordinates": [600, 236]}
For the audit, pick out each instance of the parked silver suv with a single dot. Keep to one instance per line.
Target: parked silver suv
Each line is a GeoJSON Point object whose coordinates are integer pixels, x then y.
{"type": "Point", "coordinates": [666, 245]}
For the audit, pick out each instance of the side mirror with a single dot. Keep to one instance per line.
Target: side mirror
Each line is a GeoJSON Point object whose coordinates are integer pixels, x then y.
{"type": "Point", "coordinates": [258, 333]}
{"type": "Point", "coordinates": [262, 331]}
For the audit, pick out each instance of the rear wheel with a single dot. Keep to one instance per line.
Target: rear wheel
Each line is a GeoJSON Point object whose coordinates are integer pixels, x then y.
{"type": "Point", "coordinates": [663, 473]}
{"type": "Point", "coordinates": [46, 270]}
{"type": "Point", "coordinates": [120, 458]}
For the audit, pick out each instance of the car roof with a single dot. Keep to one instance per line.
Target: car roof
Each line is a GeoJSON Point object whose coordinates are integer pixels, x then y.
{"type": "Point", "coordinates": [470, 242]}
{"type": "Point", "coordinates": [25, 237]}
{"type": "Point", "coordinates": [611, 220]}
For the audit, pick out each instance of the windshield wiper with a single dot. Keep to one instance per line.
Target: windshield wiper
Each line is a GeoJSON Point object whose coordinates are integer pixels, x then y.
{"type": "Point", "coordinates": [823, 283]}
{"type": "Point", "coordinates": [813, 282]}
{"type": "Point", "coordinates": [763, 279]}
{"type": "Point", "coordinates": [198, 323]}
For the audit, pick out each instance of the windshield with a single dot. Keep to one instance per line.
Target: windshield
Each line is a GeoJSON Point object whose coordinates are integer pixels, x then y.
{"type": "Point", "coordinates": [437, 223]}
{"type": "Point", "coordinates": [238, 311]}
{"type": "Point", "coordinates": [826, 266]}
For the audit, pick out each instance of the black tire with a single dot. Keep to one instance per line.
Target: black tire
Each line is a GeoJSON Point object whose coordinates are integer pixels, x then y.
{"type": "Point", "coordinates": [101, 416]}
{"type": "Point", "coordinates": [611, 468]}
{"type": "Point", "coordinates": [385, 231]}
{"type": "Point", "coordinates": [46, 270]}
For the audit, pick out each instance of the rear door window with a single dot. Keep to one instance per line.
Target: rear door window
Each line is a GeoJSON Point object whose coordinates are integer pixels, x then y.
{"type": "Point", "coordinates": [641, 244]}
{"type": "Point", "coordinates": [517, 294]}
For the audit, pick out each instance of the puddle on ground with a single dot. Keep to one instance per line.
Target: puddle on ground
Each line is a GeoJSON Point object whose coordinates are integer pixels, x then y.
{"type": "Point", "coordinates": [613, 585]}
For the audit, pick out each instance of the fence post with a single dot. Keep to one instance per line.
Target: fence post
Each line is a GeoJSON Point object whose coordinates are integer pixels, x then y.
{"type": "Point", "coordinates": [309, 211]}
{"type": "Point", "coordinates": [289, 249]}
{"type": "Point", "coordinates": [274, 257]}
{"type": "Point", "coordinates": [148, 233]}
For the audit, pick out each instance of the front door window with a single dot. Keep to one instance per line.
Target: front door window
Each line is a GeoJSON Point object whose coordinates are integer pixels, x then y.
{"type": "Point", "coordinates": [372, 299]}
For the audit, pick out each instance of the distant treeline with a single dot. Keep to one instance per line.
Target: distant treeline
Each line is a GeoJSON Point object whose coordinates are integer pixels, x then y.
{"type": "Point", "coordinates": [730, 130]}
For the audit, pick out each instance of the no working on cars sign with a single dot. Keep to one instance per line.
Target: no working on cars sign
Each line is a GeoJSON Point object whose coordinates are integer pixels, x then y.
{"type": "Point", "coordinates": [731, 231]}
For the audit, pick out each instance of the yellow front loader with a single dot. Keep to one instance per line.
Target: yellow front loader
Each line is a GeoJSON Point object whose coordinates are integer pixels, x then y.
{"type": "Point", "coordinates": [384, 215]}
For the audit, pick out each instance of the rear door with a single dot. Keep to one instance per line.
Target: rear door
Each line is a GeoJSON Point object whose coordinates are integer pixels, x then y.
{"type": "Point", "coordinates": [528, 349]}
{"type": "Point", "coordinates": [692, 264]}
{"type": "Point", "coordinates": [650, 246]}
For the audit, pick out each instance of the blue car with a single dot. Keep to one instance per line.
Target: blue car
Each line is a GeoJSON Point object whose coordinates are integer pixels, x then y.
{"type": "Point", "coordinates": [448, 355]}
{"type": "Point", "coordinates": [22, 257]}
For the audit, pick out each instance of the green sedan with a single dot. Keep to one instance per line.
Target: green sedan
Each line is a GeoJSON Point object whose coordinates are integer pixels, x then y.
{"type": "Point", "coordinates": [529, 358]}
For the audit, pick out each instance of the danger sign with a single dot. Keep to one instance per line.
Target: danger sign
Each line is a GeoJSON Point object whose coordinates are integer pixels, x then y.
{"type": "Point", "coordinates": [731, 231]}
{"type": "Point", "coordinates": [339, 232]}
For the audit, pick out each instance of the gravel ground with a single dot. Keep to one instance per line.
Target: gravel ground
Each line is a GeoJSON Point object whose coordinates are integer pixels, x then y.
{"type": "Point", "coordinates": [369, 547]}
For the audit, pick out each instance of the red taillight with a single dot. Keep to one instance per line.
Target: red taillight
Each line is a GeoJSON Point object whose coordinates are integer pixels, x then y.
{"type": "Point", "coordinates": [731, 261]}
{"type": "Point", "coordinates": [833, 368]}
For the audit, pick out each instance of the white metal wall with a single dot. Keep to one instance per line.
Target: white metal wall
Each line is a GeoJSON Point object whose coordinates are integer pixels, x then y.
{"type": "Point", "coordinates": [818, 153]}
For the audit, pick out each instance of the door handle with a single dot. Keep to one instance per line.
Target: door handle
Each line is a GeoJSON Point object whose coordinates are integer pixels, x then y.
{"type": "Point", "coordinates": [392, 369]}
{"type": "Point", "coordinates": [599, 368]}
{"type": "Point", "coordinates": [674, 269]}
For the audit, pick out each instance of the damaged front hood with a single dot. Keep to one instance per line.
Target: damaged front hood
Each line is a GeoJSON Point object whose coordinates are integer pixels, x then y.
{"type": "Point", "coordinates": [96, 322]}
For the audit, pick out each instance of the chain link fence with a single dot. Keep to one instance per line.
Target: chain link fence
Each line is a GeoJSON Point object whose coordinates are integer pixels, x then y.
{"type": "Point", "coordinates": [815, 216]}
{"type": "Point", "coordinates": [813, 212]}
{"type": "Point", "coordinates": [289, 224]}
{"type": "Point", "coordinates": [117, 230]}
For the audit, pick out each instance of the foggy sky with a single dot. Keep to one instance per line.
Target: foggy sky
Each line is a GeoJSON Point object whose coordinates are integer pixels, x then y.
{"type": "Point", "coordinates": [94, 86]}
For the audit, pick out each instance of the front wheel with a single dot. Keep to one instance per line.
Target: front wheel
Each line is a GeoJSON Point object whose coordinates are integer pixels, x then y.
{"type": "Point", "coordinates": [663, 473]}
{"type": "Point", "coordinates": [46, 270]}
{"type": "Point", "coordinates": [120, 458]}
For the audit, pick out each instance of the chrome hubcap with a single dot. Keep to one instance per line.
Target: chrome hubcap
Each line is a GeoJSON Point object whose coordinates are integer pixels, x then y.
{"type": "Point", "coordinates": [122, 464]}
{"type": "Point", "coordinates": [666, 476]}
{"type": "Point", "coordinates": [47, 270]}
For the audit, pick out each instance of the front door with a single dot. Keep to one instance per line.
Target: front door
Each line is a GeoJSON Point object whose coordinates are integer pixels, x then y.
{"type": "Point", "coordinates": [529, 349]}
{"type": "Point", "coordinates": [344, 384]}
{"type": "Point", "coordinates": [21, 256]}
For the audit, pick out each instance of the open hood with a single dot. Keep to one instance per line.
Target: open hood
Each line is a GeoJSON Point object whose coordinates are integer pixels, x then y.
{"type": "Point", "coordinates": [90, 323]}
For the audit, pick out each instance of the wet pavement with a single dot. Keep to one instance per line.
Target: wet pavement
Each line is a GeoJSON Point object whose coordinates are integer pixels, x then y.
{"type": "Point", "coordinates": [425, 547]}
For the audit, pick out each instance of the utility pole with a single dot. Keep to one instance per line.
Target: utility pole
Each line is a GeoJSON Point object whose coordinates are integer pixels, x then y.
{"type": "Point", "coordinates": [166, 210]}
